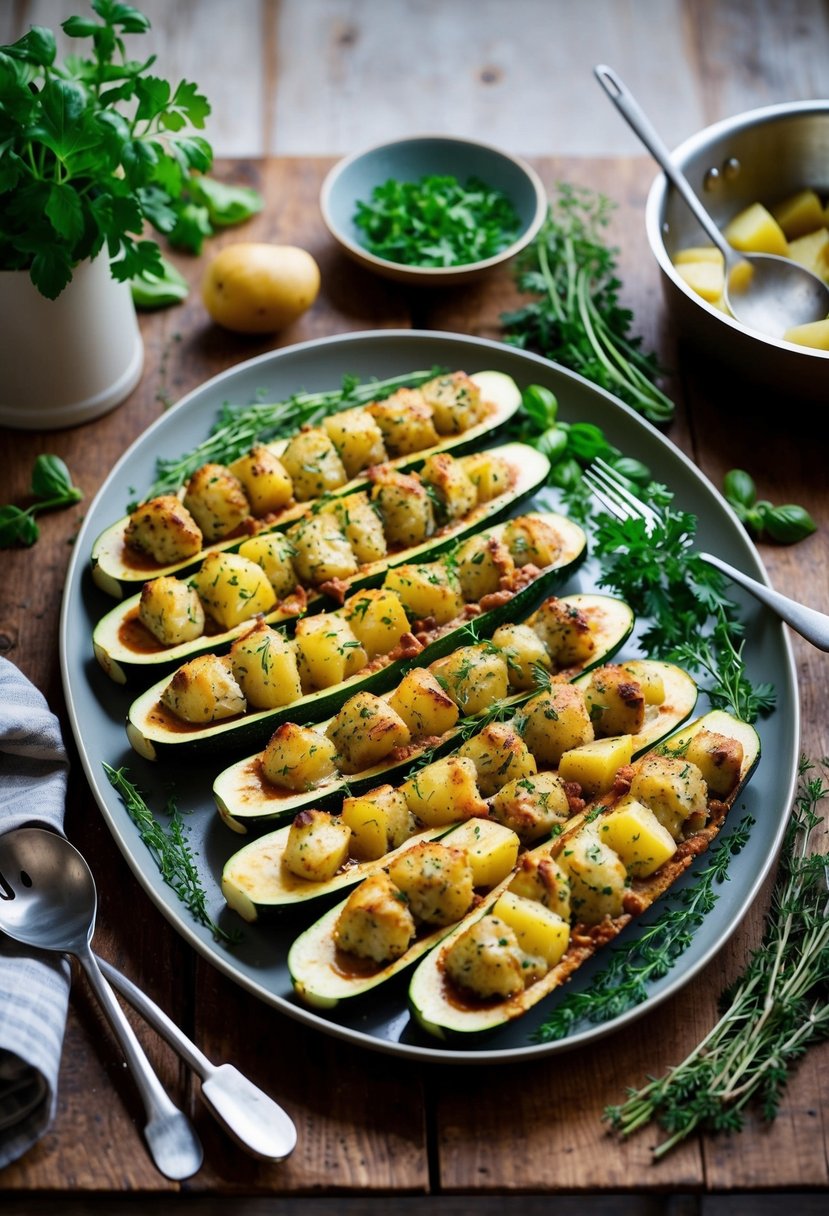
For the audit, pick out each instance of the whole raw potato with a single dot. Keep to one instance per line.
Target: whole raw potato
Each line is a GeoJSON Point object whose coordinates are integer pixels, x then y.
{"type": "Point", "coordinates": [257, 288]}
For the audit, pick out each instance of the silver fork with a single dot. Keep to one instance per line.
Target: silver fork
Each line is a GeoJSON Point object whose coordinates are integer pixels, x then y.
{"type": "Point", "coordinates": [607, 488]}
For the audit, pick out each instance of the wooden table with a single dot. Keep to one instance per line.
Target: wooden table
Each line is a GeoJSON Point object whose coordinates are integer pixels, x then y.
{"type": "Point", "coordinates": [370, 1126]}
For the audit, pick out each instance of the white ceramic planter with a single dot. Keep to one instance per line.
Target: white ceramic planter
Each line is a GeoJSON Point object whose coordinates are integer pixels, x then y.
{"type": "Point", "coordinates": [65, 361]}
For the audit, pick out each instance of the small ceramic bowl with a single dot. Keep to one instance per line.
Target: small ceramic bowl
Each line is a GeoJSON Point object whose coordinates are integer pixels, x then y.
{"type": "Point", "coordinates": [407, 160]}
{"type": "Point", "coordinates": [762, 155]}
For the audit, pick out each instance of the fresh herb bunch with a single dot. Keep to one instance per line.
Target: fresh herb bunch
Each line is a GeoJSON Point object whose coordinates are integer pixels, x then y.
{"type": "Point", "coordinates": [624, 983]}
{"type": "Point", "coordinates": [94, 148]}
{"type": "Point", "coordinates": [786, 524]}
{"type": "Point", "coordinates": [770, 1015]}
{"type": "Point", "coordinates": [170, 850]}
{"type": "Point", "coordinates": [51, 488]}
{"type": "Point", "coordinates": [576, 318]}
{"type": "Point", "coordinates": [436, 221]}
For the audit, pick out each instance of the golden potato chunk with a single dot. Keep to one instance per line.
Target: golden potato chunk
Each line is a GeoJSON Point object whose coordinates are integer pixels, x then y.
{"type": "Point", "coordinates": [436, 880]}
{"type": "Point", "coordinates": [404, 505]}
{"type": "Point", "coordinates": [265, 480]}
{"type": "Point", "coordinates": [380, 821]}
{"type": "Point", "coordinates": [532, 541]}
{"type": "Point", "coordinates": [321, 551]}
{"type": "Point", "coordinates": [541, 933]}
{"type": "Point", "coordinates": [483, 563]}
{"type": "Point", "coordinates": [649, 677]}
{"type": "Point", "coordinates": [594, 766]}
{"type": "Point", "coordinates": [171, 610]}
{"type": "Point", "coordinates": [375, 922]}
{"type": "Point", "coordinates": [474, 677]}
{"type": "Point", "coordinates": [365, 731]}
{"type": "Point", "coordinates": [164, 529]}
{"type": "Point", "coordinates": [357, 438]}
{"type": "Point", "coordinates": [377, 619]}
{"type": "Point", "coordinates": [360, 525]}
{"type": "Point", "coordinates": [598, 878]}
{"type": "Point", "coordinates": [216, 500]}
{"type": "Point", "coordinates": [525, 653]}
{"type": "Point", "coordinates": [799, 214]}
{"type": "Point", "coordinates": [445, 791]}
{"type": "Point", "coordinates": [673, 788]}
{"type": "Point", "coordinates": [500, 755]}
{"type": "Point", "coordinates": [427, 591]}
{"type": "Point", "coordinates": [544, 880]}
{"type": "Point", "coordinates": [265, 667]}
{"type": "Point", "coordinates": [491, 475]}
{"type": "Point", "coordinates": [274, 553]}
{"type": "Point", "coordinates": [204, 690]}
{"type": "Point", "coordinates": [327, 650]}
{"type": "Point", "coordinates": [298, 757]}
{"type": "Point", "coordinates": [486, 959]}
{"type": "Point", "coordinates": [317, 845]}
{"type": "Point", "coordinates": [755, 230]}
{"type": "Point", "coordinates": [615, 702]}
{"type": "Point", "coordinates": [719, 758]}
{"type": "Point", "coordinates": [405, 421]}
{"type": "Point", "coordinates": [533, 806]}
{"type": "Point", "coordinates": [565, 631]}
{"type": "Point", "coordinates": [423, 705]}
{"type": "Point", "coordinates": [491, 850]}
{"type": "Point", "coordinates": [450, 485]}
{"type": "Point", "coordinates": [455, 400]}
{"type": "Point", "coordinates": [553, 721]}
{"type": "Point", "coordinates": [633, 831]}
{"type": "Point", "coordinates": [313, 464]}
{"type": "Point", "coordinates": [233, 589]}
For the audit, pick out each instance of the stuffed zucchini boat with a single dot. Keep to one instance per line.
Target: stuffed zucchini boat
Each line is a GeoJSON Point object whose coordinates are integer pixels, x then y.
{"type": "Point", "coordinates": [350, 543]}
{"type": "Point", "coordinates": [510, 771]}
{"type": "Point", "coordinates": [371, 739]}
{"type": "Point", "coordinates": [277, 483]}
{"type": "Point", "coordinates": [236, 701]}
{"type": "Point", "coordinates": [568, 899]}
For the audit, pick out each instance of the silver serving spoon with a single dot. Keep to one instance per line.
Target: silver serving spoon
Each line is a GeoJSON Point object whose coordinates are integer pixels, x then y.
{"type": "Point", "coordinates": [48, 900]}
{"type": "Point", "coordinates": [779, 292]}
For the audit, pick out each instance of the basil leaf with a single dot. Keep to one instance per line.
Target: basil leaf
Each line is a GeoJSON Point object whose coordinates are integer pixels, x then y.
{"type": "Point", "coordinates": [632, 469]}
{"type": "Point", "coordinates": [552, 443]}
{"type": "Point", "coordinates": [225, 204]}
{"type": "Point", "coordinates": [565, 474]}
{"type": "Point", "coordinates": [50, 477]}
{"type": "Point", "coordinates": [739, 487]}
{"type": "Point", "coordinates": [157, 291]}
{"type": "Point", "coordinates": [540, 406]}
{"type": "Point", "coordinates": [16, 527]}
{"type": "Point", "coordinates": [789, 523]}
{"type": "Point", "coordinates": [587, 441]}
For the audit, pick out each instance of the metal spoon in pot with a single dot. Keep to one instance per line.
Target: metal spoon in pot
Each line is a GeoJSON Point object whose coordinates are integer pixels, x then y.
{"type": "Point", "coordinates": [775, 293]}
{"type": "Point", "coordinates": [48, 900]}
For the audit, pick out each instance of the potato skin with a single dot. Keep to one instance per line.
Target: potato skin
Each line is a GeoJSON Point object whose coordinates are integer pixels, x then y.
{"type": "Point", "coordinates": [254, 288]}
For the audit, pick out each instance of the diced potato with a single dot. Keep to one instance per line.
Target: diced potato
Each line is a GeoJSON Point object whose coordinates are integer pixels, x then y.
{"type": "Point", "coordinates": [406, 422]}
{"type": "Point", "coordinates": [491, 850]}
{"type": "Point", "coordinates": [525, 654]}
{"type": "Point", "coordinates": [698, 253]}
{"type": "Point", "coordinates": [491, 475]}
{"type": "Point", "coordinates": [474, 676]}
{"type": "Point", "coordinates": [265, 667]}
{"type": "Point", "coordinates": [313, 464]}
{"type": "Point", "coordinates": [565, 630]}
{"type": "Point", "coordinates": [499, 755]}
{"type": "Point", "coordinates": [450, 484]}
{"type": "Point", "coordinates": [615, 701]}
{"type": "Point", "coordinates": [650, 679]}
{"type": "Point", "coordinates": [633, 831]}
{"type": "Point", "coordinates": [377, 619]}
{"type": "Point", "coordinates": [298, 757]}
{"type": "Point", "coordinates": [541, 933]}
{"type": "Point", "coordinates": [204, 690]}
{"type": "Point", "coordinates": [812, 251]}
{"type": "Point", "coordinates": [357, 438]}
{"type": "Point", "coordinates": [436, 880]}
{"type": "Point", "coordinates": [707, 279]}
{"type": "Point", "coordinates": [482, 563]}
{"type": "Point", "coordinates": [380, 821]}
{"type": "Point", "coordinates": [317, 845]}
{"type": "Point", "coordinates": [165, 529]}
{"type": "Point", "coordinates": [327, 650]}
{"type": "Point", "coordinates": [543, 879]}
{"type": "Point", "coordinates": [423, 705]}
{"type": "Point", "coordinates": [532, 541]}
{"type": "Point", "coordinates": [365, 731]}
{"type": "Point", "coordinates": [375, 923]}
{"type": "Point", "coordinates": [321, 552]}
{"type": "Point", "coordinates": [594, 765]}
{"type": "Point", "coordinates": [487, 960]}
{"type": "Point", "coordinates": [426, 590]}
{"type": "Point", "coordinates": [755, 230]}
{"type": "Point", "coordinates": [533, 806]}
{"type": "Point", "coordinates": [216, 500]}
{"type": "Point", "coordinates": [719, 758]}
{"type": "Point", "coordinates": [813, 333]}
{"type": "Point", "coordinates": [233, 589]}
{"type": "Point", "coordinates": [455, 400]}
{"type": "Point", "coordinates": [799, 213]}
{"type": "Point", "coordinates": [445, 791]}
{"type": "Point", "coordinates": [598, 878]}
{"type": "Point", "coordinates": [274, 553]}
{"type": "Point", "coordinates": [171, 610]}
{"type": "Point", "coordinates": [264, 479]}
{"type": "Point", "coordinates": [360, 525]}
{"type": "Point", "coordinates": [553, 722]}
{"type": "Point", "coordinates": [404, 505]}
{"type": "Point", "coordinates": [673, 788]}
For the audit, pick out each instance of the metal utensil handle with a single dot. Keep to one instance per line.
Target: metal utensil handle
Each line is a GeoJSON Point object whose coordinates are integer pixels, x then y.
{"type": "Point", "coordinates": [808, 622]}
{"type": "Point", "coordinates": [173, 1144]}
{"type": "Point", "coordinates": [635, 117]}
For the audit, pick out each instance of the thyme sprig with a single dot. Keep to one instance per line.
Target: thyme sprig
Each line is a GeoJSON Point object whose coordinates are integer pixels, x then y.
{"type": "Point", "coordinates": [770, 1015]}
{"type": "Point", "coordinates": [722, 661]}
{"type": "Point", "coordinates": [171, 851]}
{"type": "Point", "coordinates": [625, 981]}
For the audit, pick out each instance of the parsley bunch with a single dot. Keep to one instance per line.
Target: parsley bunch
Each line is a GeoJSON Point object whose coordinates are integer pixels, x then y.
{"type": "Point", "coordinates": [91, 150]}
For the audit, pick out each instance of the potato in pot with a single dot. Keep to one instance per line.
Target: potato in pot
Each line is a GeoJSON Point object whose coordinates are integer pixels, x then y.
{"type": "Point", "coordinates": [165, 529]}
{"type": "Point", "coordinates": [216, 500]}
{"type": "Point", "coordinates": [233, 589]}
{"type": "Point", "coordinates": [171, 610]}
{"type": "Point", "coordinates": [313, 464]}
{"type": "Point", "coordinates": [298, 757]}
{"type": "Point", "coordinates": [265, 480]}
{"type": "Point", "coordinates": [265, 667]}
{"type": "Point", "coordinates": [204, 690]}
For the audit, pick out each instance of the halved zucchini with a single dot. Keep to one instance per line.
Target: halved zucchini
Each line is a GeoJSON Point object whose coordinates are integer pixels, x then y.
{"type": "Point", "coordinates": [118, 570]}
{"type": "Point", "coordinates": [245, 798]}
{"type": "Point", "coordinates": [444, 1011]}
